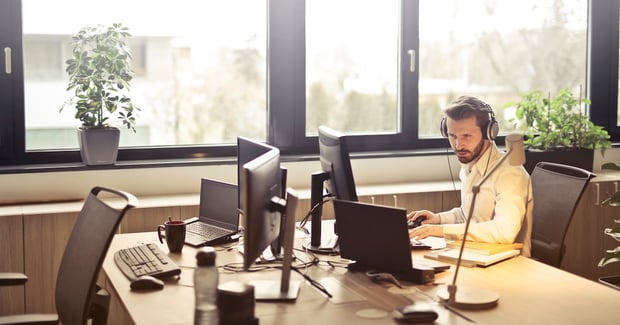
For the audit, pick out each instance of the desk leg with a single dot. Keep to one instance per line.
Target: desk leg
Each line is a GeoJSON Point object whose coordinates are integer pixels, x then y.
{"type": "Point", "coordinates": [117, 313]}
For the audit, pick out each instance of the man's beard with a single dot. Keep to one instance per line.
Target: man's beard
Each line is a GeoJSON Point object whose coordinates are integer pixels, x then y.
{"type": "Point", "coordinates": [474, 154]}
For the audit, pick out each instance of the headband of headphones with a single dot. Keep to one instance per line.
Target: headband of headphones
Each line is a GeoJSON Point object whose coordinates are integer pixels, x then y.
{"type": "Point", "coordinates": [489, 131]}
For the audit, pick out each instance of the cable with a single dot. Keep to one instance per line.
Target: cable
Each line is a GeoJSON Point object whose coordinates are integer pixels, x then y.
{"type": "Point", "coordinates": [302, 223]}
{"type": "Point", "coordinates": [458, 198]}
{"type": "Point", "coordinates": [277, 265]}
{"type": "Point", "coordinates": [314, 283]}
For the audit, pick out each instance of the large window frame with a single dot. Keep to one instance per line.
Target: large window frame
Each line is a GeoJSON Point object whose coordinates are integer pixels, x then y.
{"type": "Point", "coordinates": [286, 90]}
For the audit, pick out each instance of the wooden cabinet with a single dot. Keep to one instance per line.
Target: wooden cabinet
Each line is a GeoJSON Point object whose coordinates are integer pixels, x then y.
{"type": "Point", "coordinates": [34, 242]}
{"type": "Point", "coordinates": [45, 238]}
{"type": "Point", "coordinates": [585, 241]}
{"type": "Point", "coordinates": [12, 257]}
{"type": "Point", "coordinates": [435, 201]}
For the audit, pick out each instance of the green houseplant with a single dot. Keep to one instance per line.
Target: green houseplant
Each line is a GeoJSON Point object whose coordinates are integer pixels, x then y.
{"type": "Point", "coordinates": [99, 76]}
{"type": "Point", "coordinates": [558, 124]}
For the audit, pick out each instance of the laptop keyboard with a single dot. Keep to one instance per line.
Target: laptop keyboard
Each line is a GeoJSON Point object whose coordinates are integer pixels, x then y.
{"type": "Point", "coordinates": [206, 231]}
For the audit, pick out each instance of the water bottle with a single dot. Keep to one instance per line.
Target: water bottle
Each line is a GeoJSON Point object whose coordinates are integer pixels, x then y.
{"type": "Point", "coordinates": [206, 280]}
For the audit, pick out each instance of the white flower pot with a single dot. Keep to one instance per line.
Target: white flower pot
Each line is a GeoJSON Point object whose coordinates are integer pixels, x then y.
{"type": "Point", "coordinates": [99, 146]}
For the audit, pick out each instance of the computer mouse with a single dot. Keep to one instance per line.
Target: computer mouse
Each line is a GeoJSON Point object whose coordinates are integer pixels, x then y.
{"type": "Point", "coordinates": [415, 313]}
{"type": "Point", "coordinates": [415, 223]}
{"type": "Point", "coordinates": [146, 282]}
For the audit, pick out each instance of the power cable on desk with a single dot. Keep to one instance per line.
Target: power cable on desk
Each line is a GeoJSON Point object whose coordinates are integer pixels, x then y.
{"type": "Point", "coordinates": [237, 267]}
{"type": "Point", "coordinates": [313, 282]}
{"type": "Point", "coordinates": [302, 223]}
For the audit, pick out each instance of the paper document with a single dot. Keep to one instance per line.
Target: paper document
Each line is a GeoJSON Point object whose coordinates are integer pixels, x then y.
{"type": "Point", "coordinates": [434, 242]}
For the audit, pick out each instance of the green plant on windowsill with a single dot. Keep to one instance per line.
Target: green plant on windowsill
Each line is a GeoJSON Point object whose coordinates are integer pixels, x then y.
{"type": "Point", "coordinates": [557, 123]}
{"type": "Point", "coordinates": [99, 75]}
{"type": "Point", "coordinates": [612, 255]}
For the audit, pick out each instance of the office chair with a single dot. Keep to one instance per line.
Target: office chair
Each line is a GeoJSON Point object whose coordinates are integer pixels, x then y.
{"type": "Point", "coordinates": [77, 296]}
{"type": "Point", "coordinates": [556, 189]}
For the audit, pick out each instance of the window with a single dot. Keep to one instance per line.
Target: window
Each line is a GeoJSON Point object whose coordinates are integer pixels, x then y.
{"type": "Point", "coordinates": [199, 69]}
{"type": "Point", "coordinates": [352, 66]}
{"type": "Point", "coordinates": [496, 50]}
{"type": "Point", "coordinates": [274, 70]}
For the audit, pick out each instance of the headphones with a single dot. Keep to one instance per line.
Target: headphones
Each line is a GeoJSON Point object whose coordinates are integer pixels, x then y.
{"type": "Point", "coordinates": [489, 130]}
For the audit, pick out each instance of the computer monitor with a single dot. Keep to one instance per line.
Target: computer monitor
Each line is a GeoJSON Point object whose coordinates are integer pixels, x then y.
{"type": "Point", "coordinates": [335, 177]}
{"type": "Point", "coordinates": [262, 210]}
{"type": "Point", "coordinates": [248, 150]}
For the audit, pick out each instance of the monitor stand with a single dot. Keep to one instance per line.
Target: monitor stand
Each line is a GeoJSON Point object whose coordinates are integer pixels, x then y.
{"type": "Point", "coordinates": [331, 248]}
{"type": "Point", "coordinates": [285, 289]}
{"type": "Point", "coordinates": [316, 202]}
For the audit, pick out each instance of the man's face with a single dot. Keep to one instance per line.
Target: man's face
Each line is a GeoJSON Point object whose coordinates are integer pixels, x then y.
{"type": "Point", "coordinates": [466, 139]}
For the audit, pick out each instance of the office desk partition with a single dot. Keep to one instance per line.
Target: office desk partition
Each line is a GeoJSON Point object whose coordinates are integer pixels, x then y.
{"type": "Point", "coordinates": [530, 293]}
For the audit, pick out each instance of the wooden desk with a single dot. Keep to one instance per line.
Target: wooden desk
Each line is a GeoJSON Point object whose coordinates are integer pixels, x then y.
{"type": "Point", "coordinates": [530, 293]}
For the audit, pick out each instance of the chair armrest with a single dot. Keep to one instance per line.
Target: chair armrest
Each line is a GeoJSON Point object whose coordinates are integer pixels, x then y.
{"type": "Point", "coordinates": [12, 279]}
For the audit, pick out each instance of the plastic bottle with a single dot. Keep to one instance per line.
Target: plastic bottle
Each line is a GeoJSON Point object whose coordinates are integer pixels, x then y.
{"type": "Point", "coordinates": [206, 280]}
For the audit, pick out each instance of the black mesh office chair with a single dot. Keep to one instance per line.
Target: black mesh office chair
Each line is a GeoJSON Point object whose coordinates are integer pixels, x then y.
{"type": "Point", "coordinates": [78, 298]}
{"type": "Point", "coordinates": [556, 189]}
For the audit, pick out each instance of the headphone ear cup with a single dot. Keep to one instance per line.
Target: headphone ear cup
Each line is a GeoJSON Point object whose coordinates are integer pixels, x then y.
{"type": "Point", "coordinates": [492, 130]}
{"type": "Point", "coordinates": [443, 128]}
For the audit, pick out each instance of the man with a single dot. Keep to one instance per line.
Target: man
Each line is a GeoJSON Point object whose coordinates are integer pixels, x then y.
{"type": "Point", "coordinates": [503, 207]}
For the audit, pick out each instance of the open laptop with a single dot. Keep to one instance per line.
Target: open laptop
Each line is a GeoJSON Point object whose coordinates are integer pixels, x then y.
{"type": "Point", "coordinates": [218, 221]}
{"type": "Point", "coordinates": [377, 238]}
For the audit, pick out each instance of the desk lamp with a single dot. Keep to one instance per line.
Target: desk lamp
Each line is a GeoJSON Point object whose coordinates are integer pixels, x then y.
{"type": "Point", "coordinates": [476, 298]}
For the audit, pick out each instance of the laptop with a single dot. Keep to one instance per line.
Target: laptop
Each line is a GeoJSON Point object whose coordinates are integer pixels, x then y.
{"type": "Point", "coordinates": [377, 238]}
{"type": "Point", "coordinates": [218, 220]}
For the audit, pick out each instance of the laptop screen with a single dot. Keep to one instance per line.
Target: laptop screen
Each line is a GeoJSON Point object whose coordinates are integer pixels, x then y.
{"type": "Point", "coordinates": [218, 203]}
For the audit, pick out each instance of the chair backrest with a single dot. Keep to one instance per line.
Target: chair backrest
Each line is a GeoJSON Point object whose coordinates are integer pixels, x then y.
{"type": "Point", "coordinates": [84, 254]}
{"type": "Point", "coordinates": [556, 189]}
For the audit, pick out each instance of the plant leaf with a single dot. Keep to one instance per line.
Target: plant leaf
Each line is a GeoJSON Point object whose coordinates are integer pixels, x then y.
{"type": "Point", "coordinates": [610, 165]}
{"type": "Point", "coordinates": [611, 256]}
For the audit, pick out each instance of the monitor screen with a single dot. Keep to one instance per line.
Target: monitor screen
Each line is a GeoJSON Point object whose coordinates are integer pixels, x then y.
{"type": "Point", "coordinates": [260, 193]}
{"type": "Point", "coordinates": [248, 150]}
{"type": "Point", "coordinates": [335, 162]}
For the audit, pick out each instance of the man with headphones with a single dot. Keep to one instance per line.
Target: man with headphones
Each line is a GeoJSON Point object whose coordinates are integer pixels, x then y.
{"type": "Point", "coordinates": [503, 208]}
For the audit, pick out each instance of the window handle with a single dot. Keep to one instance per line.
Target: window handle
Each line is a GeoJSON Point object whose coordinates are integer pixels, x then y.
{"type": "Point", "coordinates": [412, 60]}
{"type": "Point", "coordinates": [7, 60]}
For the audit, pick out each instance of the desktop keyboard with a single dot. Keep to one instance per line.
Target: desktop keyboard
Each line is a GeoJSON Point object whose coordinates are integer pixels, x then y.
{"type": "Point", "coordinates": [145, 259]}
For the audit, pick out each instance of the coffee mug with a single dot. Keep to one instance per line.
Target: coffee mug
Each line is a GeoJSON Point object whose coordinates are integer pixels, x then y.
{"type": "Point", "coordinates": [175, 234]}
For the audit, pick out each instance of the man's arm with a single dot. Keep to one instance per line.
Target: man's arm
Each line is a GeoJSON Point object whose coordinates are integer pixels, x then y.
{"type": "Point", "coordinates": [508, 190]}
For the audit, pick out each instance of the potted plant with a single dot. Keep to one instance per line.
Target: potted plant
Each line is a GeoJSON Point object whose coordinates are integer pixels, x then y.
{"type": "Point", "coordinates": [555, 128]}
{"type": "Point", "coordinates": [611, 255]}
{"type": "Point", "coordinates": [99, 76]}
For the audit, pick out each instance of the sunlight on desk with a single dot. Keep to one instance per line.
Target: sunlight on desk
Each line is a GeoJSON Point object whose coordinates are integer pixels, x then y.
{"type": "Point", "coordinates": [549, 295]}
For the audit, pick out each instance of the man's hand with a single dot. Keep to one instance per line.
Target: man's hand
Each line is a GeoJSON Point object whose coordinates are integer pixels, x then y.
{"type": "Point", "coordinates": [426, 230]}
{"type": "Point", "coordinates": [430, 216]}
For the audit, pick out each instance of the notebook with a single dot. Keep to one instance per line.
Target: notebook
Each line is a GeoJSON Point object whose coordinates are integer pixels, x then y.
{"type": "Point", "coordinates": [376, 237]}
{"type": "Point", "coordinates": [218, 220]}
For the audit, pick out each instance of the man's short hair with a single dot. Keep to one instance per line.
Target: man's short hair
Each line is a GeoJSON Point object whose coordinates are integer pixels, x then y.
{"type": "Point", "coordinates": [467, 106]}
